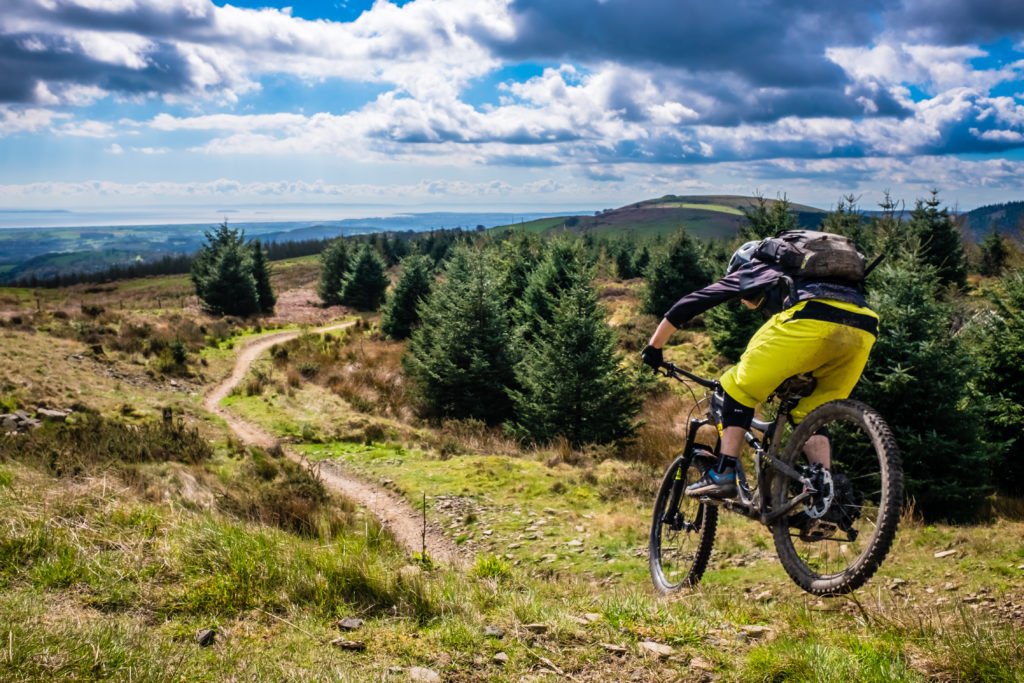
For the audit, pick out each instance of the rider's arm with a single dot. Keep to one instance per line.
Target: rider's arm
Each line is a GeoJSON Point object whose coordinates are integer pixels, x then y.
{"type": "Point", "coordinates": [747, 282]}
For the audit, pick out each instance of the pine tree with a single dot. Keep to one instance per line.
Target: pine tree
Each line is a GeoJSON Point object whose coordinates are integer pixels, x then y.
{"type": "Point", "coordinates": [940, 240]}
{"type": "Point", "coordinates": [366, 282]}
{"type": "Point", "coordinates": [459, 357]}
{"type": "Point", "coordinates": [641, 261]}
{"type": "Point", "coordinates": [261, 272]}
{"type": "Point", "coordinates": [674, 272]}
{"type": "Point", "coordinates": [766, 219]}
{"type": "Point", "coordinates": [222, 274]}
{"type": "Point", "coordinates": [1001, 355]}
{"type": "Point", "coordinates": [401, 312]}
{"type": "Point", "coordinates": [919, 378]}
{"type": "Point", "coordinates": [847, 220]}
{"type": "Point", "coordinates": [562, 265]}
{"type": "Point", "coordinates": [334, 263]}
{"type": "Point", "coordinates": [572, 384]}
{"type": "Point", "coordinates": [994, 253]}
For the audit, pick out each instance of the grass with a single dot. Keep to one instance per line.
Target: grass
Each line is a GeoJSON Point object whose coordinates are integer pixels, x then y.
{"type": "Point", "coordinates": [720, 208]}
{"type": "Point", "coordinates": [109, 572]}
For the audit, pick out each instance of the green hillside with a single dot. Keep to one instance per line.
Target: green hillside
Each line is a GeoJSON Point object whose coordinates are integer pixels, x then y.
{"type": "Point", "coordinates": [707, 217]}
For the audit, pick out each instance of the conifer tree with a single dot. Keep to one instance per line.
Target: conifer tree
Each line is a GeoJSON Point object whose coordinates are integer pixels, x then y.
{"type": "Point", "coordinates": [366, 282]}
{"type": "Point", "coordinates": [766, 219]}
{"type": "Point", "coordinates": [673, 272]}
{"type": "Point", "coordinates": [919, 378]}
{"type": "Point", "coordinates": [847, 220]}
{"type": "Point", "coordinates": [401, 312]}
{"type": "Point", "coordinates": [940, 240]}
{"type": "Point", "coordinates": [641, 261]}
{"type": "Point", "coordinates": [993, 254]}
{"type": "Point", "coordinates": [1001, 355]}
{"type": "Point", "coordinates": [261, 274]}
{"type": "Point", "coordinates": [571, 381]}
{"type": "Point", "coordinates": [563, 265]}
{"type": "Point", "coordinates": [222, 274]}
{"type": "Point", "coordinates": [459, 358]}
{"type": "Point", "coordinates": [334, 264]}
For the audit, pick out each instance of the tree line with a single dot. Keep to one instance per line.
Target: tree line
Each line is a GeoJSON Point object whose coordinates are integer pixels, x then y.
{"type": "Point", "coordinates": [507, 329]}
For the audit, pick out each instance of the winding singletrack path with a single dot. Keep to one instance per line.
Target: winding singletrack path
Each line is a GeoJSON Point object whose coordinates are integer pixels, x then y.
{"type": "Point", "coordinates": [395, 514]}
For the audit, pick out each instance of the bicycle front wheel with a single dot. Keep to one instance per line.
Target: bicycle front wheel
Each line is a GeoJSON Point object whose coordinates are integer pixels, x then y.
{"type": "Point", "coordinates": [683, 528]}
{"type": "Point", "coordinates": [835, 542]}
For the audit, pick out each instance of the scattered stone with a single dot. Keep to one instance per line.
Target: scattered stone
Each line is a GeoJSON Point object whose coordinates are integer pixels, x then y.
{"type": "Point", "coordinates": [896, 583]}
{"type": "Point", "coordinates": [494, 632]}
{"type": "Point", "coordinates": [548, 558]}
{"type": "Point", "coordinates": [592, 616]}
{"type": "Point", "coordinates": [395, 670]}
{"type": "Point", "coordinates": [501, 658]}
{"type": "Point", "coordinates": [513, 546]}
{"type": "Point", "coordinates": [701, 664]}
{"type": "Point", "coordinates": [614, 649]}
{"type": "Point", "coordinates": [550, 511]}
{"type": "Point", "coordinates": [755, 632]}
{"type": "Point", "coordinates": [575, 543]}
{"type": "Point", "coordinates": [349, 623]}
{"type": "Point", "coordinates": [661, 651]}
{"type": "Point", "coordinates": [52, 415]}
{"type": "Point", "coordinates": [945, 553]}
{"type": "Point", "coordinates": [418, 673]}
{"type": "Point", "coordinates": [763, 596]}
{"type": "Point", "coordinates": [536, 628]}
{"type": "Point", "coordinates": [351, 645]}
{"type": "Point", "coordinates": [949, 586]}
{"type": "Point", "coordinates": [205, 637]}
{"type": "Point", "coordinates": [9, 423]}
{"type": "Point", "coordinates": [971, 599]}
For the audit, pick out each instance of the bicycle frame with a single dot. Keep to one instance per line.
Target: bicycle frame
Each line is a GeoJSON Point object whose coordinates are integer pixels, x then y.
{"type": "Point", "coordinates": [755, 504]}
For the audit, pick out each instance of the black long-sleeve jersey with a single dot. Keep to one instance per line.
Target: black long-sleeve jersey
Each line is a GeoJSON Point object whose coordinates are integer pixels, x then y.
{"type": "Point", "coordinates": [751, 282]}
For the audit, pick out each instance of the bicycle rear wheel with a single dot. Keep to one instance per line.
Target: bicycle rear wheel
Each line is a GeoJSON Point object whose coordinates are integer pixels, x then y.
{"type": "Point", "coordinates": [835, 543]}
{"type": "Point", "coordinates": [683, 528]}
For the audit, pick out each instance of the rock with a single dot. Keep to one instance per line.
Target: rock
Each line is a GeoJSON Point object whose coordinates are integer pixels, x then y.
{"type": "Point", "coordinates": [949, 586]}
{"type": "Point", "coordinates": [418, 673]}
{"type": "Point", "coordinates": [9, 423]}
{"type": "Point", "coordinates": [575, 543]}
{"type": "Point", "coordinates": [349, 623]}
{"type": "Point", "coordinates": [592, 616]}
{"type": "Point", "coordinates": [351, 645]}
{"type": "Point", "coordinates": [763, 596]}
{"type": "Point", "coordinates": [494, 632]}
{"type": "Point", "coordinates": [548, 558]}
{"type": "Point", "coordinates": [536, 628]}
{"type": "Point", "coordinates": [945, 553]}
{"type": "Point", "coordinates": [501, 658]}
{"type": "Point", "coordinates": [661, 651]}
{"type": "Point", "coordinates": [701, 664]}
{"type": "Point", "coordinates": [754, 632]}
{"type": "Point", "coordinates": [614, 649]}
{"type": "Point", "coordinates": [51, 415]}
{"type": "Point", "coordinates": [206, 637]}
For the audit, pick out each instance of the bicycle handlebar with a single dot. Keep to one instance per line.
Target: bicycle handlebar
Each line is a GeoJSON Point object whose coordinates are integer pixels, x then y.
{"type": "Point", "coordinates": [675, 372]}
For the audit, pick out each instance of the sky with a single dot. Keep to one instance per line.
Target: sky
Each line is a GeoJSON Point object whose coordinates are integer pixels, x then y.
{"type": "Point", "coordinates": [520, 105]}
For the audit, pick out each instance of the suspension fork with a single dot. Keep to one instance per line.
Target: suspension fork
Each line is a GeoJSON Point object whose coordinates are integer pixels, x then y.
{"type": "Point", "coordinates": [680, 481]}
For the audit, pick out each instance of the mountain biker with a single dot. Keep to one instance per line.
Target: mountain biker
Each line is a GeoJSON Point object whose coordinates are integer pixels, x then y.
{"type": "Point", "coordinates": [817, 326]}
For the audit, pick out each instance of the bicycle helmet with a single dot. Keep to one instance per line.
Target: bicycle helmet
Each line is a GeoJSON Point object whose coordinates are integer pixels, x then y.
{"type": "Point", "coordinates": [742, 256]}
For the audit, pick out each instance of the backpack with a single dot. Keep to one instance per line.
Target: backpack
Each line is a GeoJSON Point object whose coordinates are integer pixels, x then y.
{"type": "Point", "coordinates": [814, 255]}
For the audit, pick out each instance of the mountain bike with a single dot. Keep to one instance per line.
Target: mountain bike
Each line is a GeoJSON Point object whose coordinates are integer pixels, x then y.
{"type": "Point", "coordinates": [832, 526]}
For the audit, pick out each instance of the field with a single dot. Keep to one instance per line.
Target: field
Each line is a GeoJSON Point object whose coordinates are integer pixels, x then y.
{"type": "Point", "coordinates": [116, 570]}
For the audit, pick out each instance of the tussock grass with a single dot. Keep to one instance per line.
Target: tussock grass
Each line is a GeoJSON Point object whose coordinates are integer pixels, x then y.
{"type": "Point", "coordinates": [91, 443]}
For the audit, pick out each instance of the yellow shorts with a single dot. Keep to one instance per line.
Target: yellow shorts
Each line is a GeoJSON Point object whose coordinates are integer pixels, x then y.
{"type": "Point", "coordinates": [835, 354]}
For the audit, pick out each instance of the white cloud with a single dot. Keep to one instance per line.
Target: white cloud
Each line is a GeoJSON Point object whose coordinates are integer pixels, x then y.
{"type": "Point", "coordinates": [13, 121]}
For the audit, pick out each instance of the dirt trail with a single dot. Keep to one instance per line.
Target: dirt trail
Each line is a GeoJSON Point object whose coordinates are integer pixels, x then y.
{"type": "Point", "coordinates": [395, 514]}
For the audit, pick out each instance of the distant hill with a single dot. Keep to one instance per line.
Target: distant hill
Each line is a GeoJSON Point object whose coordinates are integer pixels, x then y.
{"type": "Point", "coordinates": [704, 216]}
{"type": "Point", "coordinates": [1007, 218]}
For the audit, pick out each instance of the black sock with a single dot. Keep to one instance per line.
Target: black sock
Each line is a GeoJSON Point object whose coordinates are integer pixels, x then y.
{"type": "Point", "coordinates": [725, 462]}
